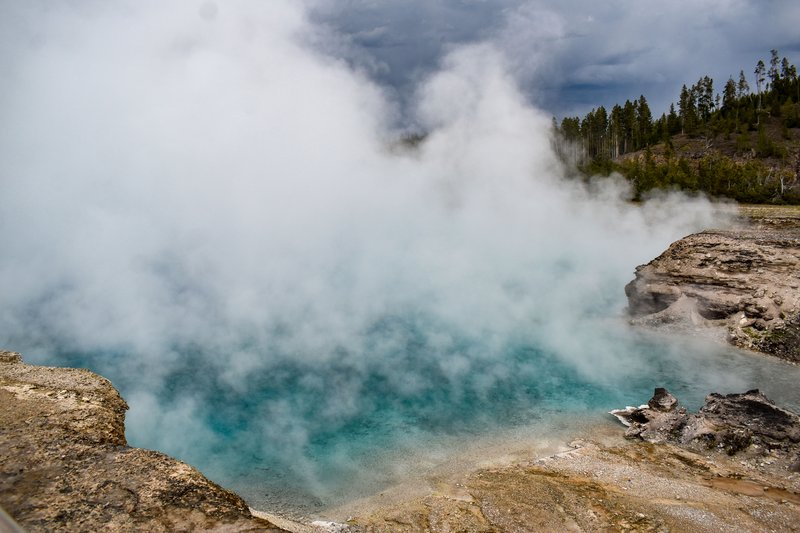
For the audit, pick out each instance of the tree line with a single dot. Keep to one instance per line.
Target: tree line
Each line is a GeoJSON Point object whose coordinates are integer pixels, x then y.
{"type": "Point", "coordinates": [757, 170]}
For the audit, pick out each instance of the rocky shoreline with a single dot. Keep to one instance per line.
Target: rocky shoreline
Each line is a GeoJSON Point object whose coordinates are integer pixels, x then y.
{"type": "Point", "coordinates": [65, 464]}
{"type": "Point", "coordinates": [612, 484]}
{"type": "Point", "coordinates": [740, 284]}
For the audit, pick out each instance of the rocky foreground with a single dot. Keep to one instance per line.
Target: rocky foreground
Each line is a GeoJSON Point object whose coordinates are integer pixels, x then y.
{"type": "Point", "coordinates": [65, 464]}
{"type": "Point", "coordinates": [730, 467]}
{"type": "Point", "coordinates": [742, 283]}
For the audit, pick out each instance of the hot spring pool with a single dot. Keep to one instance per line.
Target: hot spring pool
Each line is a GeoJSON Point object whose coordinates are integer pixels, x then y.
{"type": "Point", "coordinates": [300, 437]}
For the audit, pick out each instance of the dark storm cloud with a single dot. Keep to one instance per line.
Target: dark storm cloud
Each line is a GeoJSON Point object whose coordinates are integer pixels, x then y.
{"type": "Point", "coordinates": [399, 43]}
{"type": "Point", "coordinates": [574, 55]}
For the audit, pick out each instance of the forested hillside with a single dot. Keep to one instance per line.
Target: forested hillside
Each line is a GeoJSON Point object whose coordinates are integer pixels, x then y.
{"type": "Point", "coordinates": [741, 143]}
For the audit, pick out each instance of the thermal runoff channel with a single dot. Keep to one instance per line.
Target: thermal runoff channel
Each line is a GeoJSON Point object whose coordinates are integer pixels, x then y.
{"type": "Point", "coordinates": [201, 206]}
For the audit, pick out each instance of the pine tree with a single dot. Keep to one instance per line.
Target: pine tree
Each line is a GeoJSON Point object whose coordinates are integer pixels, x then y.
{"type": "Point", "coordinates": [703, 92]}
{"type": "Point", "coordinates": [784, 68]}
{"type": "Point", "coordinates": [729, 94]}
{"type": "Point", "coordinates": [729, 103]}
{"type": "Point", "coordinates": [617, 130]}
{"type": "Point", "coordinates": [687, 111]}
{"type": "Point", "coordinates": [774, 74]}
{"type": "Point", "coordinates": [570, 147]}
{"type": "Point", "coordinates": [600, 127]}
{"type": "Point", "coordinates": [673, 121]}
{"type": "Point", "coordinates": [644, 121]}
{"type": "Point", "coordinates": [786, 77]}
{"type": "Point", "coordinates": [789, 79]}
{"type": "Point", "coordinates": [629, 126]}
{"type": "Point", "coordinates": [759, 72]}
{"type": "Point", "coordinates": [742, 88]}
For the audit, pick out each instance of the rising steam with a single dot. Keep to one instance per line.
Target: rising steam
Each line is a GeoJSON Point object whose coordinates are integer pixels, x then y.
{"type": "Point", "coordinates": [190, 186]}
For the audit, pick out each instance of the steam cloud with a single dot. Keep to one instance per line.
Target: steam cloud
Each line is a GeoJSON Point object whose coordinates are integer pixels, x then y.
{"type": "Point", "coordinates": [191, 189]}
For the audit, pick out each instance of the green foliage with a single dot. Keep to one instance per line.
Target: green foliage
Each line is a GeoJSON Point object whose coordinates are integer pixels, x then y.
{"type": "Point", "coordinates": [766, 147]}
{"type": "Point", "coordinates": [599, 141]}
{"type": "Point", "coordinates": [743, 140]}
{"type": "Point", "coordinates": [599, 167]}
{"type": "Point", "coordinates": [791, 114]}
{"type": "Point", "coordinates": [669, 148]}
{"type": "Point", "coordinates": [716, 175]}
{"type": "Point", "coordinates": [729, 95]}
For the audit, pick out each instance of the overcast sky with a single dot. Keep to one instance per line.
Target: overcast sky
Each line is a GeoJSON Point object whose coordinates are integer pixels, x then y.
{"type": "Point", "coordinates": [572, 55]}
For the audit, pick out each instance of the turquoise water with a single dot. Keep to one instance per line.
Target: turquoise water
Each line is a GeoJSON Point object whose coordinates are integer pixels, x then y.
{"type": "Point", "coordinates": [300, 437]}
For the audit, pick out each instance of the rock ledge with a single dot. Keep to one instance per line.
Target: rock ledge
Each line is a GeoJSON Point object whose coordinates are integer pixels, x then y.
{"type": "Point", "coordinates": [65, 464]}
{"type": "Point", "coordinates": [742, 283]}
{"type": "Point", "coordinates": [747, 423]}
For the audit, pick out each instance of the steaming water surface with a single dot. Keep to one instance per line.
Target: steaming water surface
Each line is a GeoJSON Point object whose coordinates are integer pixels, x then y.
{"type": "Point", "coordinates": [201, 206]}
{"type": "Point", "coordinates": [282, 439]}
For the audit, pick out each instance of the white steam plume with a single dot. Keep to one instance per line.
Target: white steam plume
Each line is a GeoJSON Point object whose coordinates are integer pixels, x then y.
{"type": "Point", "coordinates": [187, 183]}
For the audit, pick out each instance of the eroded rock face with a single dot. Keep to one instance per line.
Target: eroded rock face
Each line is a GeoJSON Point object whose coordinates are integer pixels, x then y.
{"type": "Point", "coordinates": [744, 281]}
{"type": "Point", "coordinates": [65, 464]}
{"type": "Point", "coordinates": [748, 422]}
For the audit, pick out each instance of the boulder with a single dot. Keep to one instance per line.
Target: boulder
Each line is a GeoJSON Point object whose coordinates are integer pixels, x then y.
{"type": "Point", "coordinates": [734, 423]}
{"type": "Point", "coordinates": [663, 401]}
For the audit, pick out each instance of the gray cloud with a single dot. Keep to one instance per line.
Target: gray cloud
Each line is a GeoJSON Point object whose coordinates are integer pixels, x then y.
{"type": "Point", "coordinates": [571, 56]}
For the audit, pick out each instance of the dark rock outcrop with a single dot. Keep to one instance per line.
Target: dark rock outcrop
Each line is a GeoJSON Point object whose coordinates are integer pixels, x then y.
{"type": "Point", "coordinates": [65, 464]}
{"type": "Point", "coordinates": [735, 423]}
{"type": "Point", "coordinates": [745, 282]}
